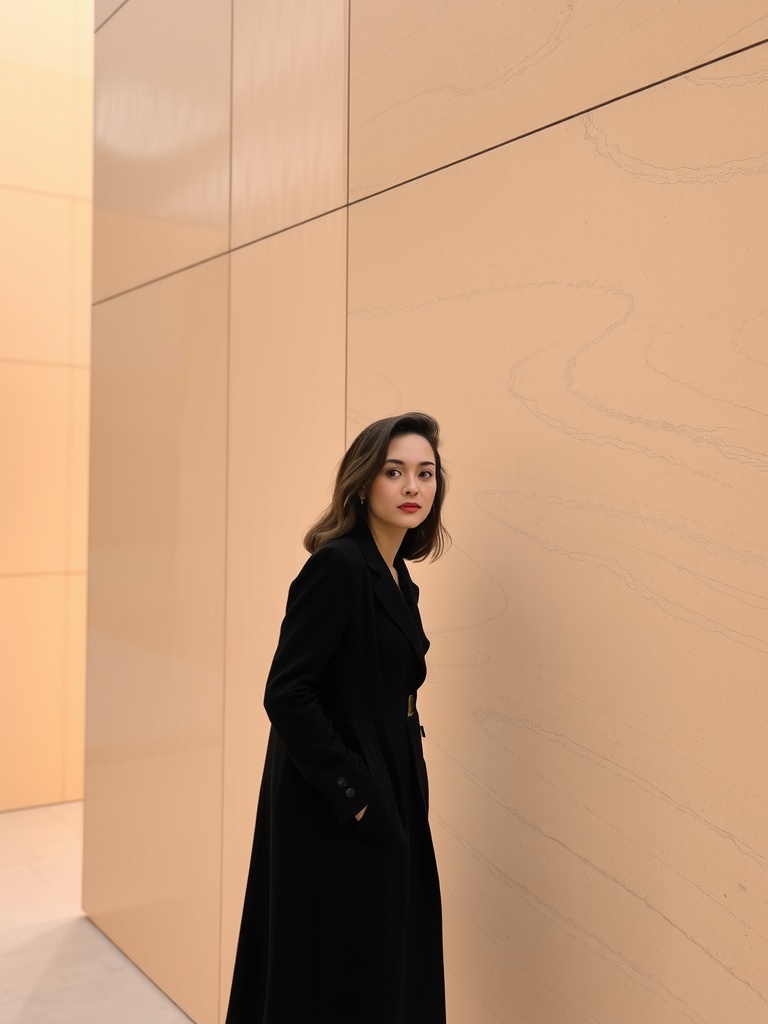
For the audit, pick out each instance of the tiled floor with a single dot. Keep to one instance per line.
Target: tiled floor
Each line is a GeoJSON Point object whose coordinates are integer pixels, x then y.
{"type": "Point", "coordinates": [55, 966]}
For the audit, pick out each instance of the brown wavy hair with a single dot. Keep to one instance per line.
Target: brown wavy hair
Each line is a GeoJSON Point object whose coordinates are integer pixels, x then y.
{"type": "Point", "coordinates": [357, 471]}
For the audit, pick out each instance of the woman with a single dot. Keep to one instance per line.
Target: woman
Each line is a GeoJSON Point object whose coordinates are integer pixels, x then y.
{"type": "Point", "coordinates": [342, 918]}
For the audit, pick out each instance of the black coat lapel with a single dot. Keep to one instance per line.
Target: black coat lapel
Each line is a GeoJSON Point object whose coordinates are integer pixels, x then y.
{"type": "Point", "coordinates": [400, 604]}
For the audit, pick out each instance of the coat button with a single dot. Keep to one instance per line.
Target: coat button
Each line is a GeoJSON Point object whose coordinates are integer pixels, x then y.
{"type": "Point", "coordinates": [341, 782]}
{"type": "Point", "coordinates": [349, 793]}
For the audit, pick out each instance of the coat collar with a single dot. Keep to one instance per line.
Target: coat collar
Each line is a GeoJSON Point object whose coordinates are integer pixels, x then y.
{"type": "Point", "coordinates": [399, 603]}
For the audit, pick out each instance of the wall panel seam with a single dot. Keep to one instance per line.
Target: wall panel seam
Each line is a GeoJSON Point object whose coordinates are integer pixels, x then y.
{"type": "Point", "coordinates": [7, 186]}
{"type": "Point", "coordinates": [231, 115]}
{"type": "Point", "coordinates": [222, 804]}
{"type": "Point", "coordinates": [561, 120]}
{"type": "Point", "coordinates": [43, 363]}
{"type": "Point", "coordinates": [43, 574]}
{"type": "Point", "coordinates": [224, 674]}
{"type": "Point", "coordinates": [218, 255]}
{"type": "Point", "coordinates": [109, 17]}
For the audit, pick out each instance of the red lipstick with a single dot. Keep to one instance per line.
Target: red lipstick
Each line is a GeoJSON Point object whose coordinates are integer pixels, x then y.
{"type": "Point", "coordinates": [409, 506]}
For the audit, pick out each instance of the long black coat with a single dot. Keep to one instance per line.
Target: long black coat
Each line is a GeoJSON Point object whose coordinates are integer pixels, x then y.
{"type": "Point", "coordinates": [342, 918]}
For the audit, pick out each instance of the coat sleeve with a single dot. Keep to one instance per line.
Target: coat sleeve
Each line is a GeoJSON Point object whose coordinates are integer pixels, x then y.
{"type": "Point", "coordinates": [318, 609]}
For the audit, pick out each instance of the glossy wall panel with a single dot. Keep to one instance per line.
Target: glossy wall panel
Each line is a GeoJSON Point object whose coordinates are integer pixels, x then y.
{"type": "Point", "coordinates": [289, 114]}
{"type": "Point", "coordinates": [156, 629]}
{"type": "Point", "coordinates": [161, 194]}
{"type": "Point", "coordinates": [286, 435]}
{"type": "Point", "coordinates": [583, 311]}
{"type": "Point", "coordinates": [431, 83]}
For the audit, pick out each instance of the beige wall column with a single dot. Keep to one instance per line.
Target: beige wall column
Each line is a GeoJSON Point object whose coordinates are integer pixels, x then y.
{"type": "Point", "coordinates": [46, 85]}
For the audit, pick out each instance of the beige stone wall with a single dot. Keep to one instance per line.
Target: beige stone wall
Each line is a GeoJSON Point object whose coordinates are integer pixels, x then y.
{"type": "Point", "coordinates": [46, 94]}
{"type": "Point", "coordinates": [544, 224]}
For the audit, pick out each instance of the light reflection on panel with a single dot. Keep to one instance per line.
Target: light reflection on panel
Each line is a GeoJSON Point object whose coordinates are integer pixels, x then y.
{"type": "Point", "coordinates": [289, 118]}
{"type": "Point", "coordinates": [432, 83]}
{"type": "Point", "coordinates": [161, 194]}
{"type": "Point", "coordinates": [152, 855]}
{"type": "Point", "coordinates": [286, 434]}
{"type": "Point", "coordinates": [584, 311]}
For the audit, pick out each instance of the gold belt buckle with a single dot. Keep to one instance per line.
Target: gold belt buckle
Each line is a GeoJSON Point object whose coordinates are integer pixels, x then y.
{"type": "Point", "coordinates": [411, 704]}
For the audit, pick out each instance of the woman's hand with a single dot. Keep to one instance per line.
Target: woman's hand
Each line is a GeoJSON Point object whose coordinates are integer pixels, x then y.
{"type": "Point", "coordinates": [359, 814]}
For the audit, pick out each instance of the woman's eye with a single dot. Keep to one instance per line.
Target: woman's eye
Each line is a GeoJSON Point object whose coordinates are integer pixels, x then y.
{"type": "Point", "coordinates": [392, 472]}
{"type": "Point", "coordinates": [427, 473]}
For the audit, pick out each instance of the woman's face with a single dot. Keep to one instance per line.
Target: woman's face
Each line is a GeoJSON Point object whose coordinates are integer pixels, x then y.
{"type": "Point", "coordinates": [404, 490]}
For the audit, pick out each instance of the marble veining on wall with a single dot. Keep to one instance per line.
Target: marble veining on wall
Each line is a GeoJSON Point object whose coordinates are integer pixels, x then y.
{"type": "Point", "coordinates": [578, 312]}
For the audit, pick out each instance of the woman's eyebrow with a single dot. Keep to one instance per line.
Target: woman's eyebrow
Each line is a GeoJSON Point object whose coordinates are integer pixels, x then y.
{"type": "Point", "coordinates": [399, 462]}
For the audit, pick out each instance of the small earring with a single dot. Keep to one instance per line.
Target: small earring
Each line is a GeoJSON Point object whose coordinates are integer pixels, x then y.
{"type": "Point", "coordinates": [362, 502]}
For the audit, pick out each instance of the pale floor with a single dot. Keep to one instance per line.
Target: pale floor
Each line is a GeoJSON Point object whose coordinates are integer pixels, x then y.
{"type": "Point", "coordinates": [55, 966]}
